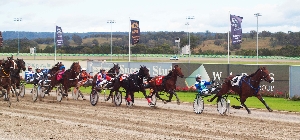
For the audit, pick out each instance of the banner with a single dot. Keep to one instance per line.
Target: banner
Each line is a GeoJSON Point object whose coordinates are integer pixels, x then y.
{"type": "Point", "coordinates": [59, 36]}
{"type": "Point", "coordinates": [1, 39]}
{"type": "Point", "coordinates": [135, 32]}
{"type": "Point", "coordinates": [236, 29]}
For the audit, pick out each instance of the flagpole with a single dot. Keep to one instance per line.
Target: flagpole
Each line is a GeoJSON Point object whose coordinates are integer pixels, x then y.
{"type": "Point", "coordinates": [54, 47]}
{"type": "Point", "coordinates": [228, 37]}
{"type": "Point", "coordinates": [129, 37]}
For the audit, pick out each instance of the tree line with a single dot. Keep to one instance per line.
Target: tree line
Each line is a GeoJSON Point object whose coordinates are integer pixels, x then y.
{"type": "Point", "coordinates": [157, 43]}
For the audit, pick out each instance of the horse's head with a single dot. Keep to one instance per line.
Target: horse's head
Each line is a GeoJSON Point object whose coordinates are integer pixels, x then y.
{"type": "Point", "coordinates": [21, 64]}
{"type": "Point", "coordinates": [116, 68]}
{"type": "Point", "coordinates": [144, 72]}
{"type": "Point", "coordinates": [177, 71]}
{"type": "Point", "coordinates": [264, 74]}
{"type": "Point", "coordinates": [11, 63]}
{"type": "Point", "coordinates": [75, 67]}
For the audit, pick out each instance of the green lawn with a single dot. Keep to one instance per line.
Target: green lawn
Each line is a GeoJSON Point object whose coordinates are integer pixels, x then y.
{"type": "Point", "coordinates": [252, 102]}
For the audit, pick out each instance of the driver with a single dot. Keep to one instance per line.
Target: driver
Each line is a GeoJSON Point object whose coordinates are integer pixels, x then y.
{"type": "Point", "coordinates": [38, 75]}
{"type": "Point", "coordinates": [201, 85]}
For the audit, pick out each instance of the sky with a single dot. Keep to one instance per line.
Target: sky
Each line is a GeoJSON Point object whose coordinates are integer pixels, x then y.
{"type": "Point", "coordinates": [154, 15]}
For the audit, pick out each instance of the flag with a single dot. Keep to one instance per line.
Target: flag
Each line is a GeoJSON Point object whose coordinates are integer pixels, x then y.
{"type": "Point", "coordinates": [135, 32]}
{"type": "Point", "coordinates": [59, 36]}
{"type": "Point", "coordinates": [1, 39]}
{"type": "Point", "coordinates": [236, 29]}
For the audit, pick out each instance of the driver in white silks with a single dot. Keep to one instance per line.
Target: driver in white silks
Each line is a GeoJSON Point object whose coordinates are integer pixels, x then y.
{"type": "Point", "coordinates": [38, 76]}
{"type": "Point", "coordinates": [201, 85]}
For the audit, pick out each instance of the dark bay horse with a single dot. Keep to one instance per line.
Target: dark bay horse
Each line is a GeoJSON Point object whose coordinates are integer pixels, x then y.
{"type": "Point", "coordinates": [5, 79]}
{"type": "Point", "coordinates": [15, 75]}
{"type": "Point", "coordinates": [54, 69]}
{"type": "Point", "coordinates": [69, 78]}
{"type": "Point", "coordinates": [132, 83]}
{"type": "Point", "coordinates": [246, 86]}
{"type": "Point", "coordinates": [169, 86]}
{"type": "Point", "coordinates": [113, 73]}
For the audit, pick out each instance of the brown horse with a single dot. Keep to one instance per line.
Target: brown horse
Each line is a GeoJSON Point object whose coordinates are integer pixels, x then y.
{"type": "Point", "coordinates": [246, 86]}
{"type": "Point", "coordinates": [6, 66]}
{"type": "Point", "coordinates": [54, 69]}
{"type": "Point", "coordinates": [69, 78]}
{"type": "Point", "coordinates": [15, 75]}
{"type": "Point", "coordinates": [169, 86]}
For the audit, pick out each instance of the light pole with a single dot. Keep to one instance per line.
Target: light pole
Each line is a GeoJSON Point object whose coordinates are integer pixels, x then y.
{"type": "Point", "coordinates": [257, 14]}
{"type": "Point", "coordinates": [18, 20]}
{"type": "Point", "coordinates": [111, 22]}
{"type": "Point", "coordinates": [188, 18]}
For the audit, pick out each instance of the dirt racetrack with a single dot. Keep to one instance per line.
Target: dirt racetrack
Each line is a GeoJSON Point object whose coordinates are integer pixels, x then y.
{"type": "Point", "coordinates": [71, 119]}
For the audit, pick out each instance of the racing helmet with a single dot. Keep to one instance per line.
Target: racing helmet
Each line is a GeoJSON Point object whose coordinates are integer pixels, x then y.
{"type": "Point", "coordinates": [83, 69]}
{"type": "Point", "coordinates": [198, 76]}
{"type": "Point", "coordinates": [37, 68]}
{"type": "Point", "coordinates": [29, 67]}
{"type": "Point", "coordinates": [62, 67]}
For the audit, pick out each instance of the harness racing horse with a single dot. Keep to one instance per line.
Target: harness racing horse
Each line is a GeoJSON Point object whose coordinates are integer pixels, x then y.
{"type": "Point", "coordinates": [54, 69]}
{"type": "Point", "coordinates": [246, 86]}
{"type": "Point", "coordinates": [131, 83]}
{"type": "Point", "coordinates": [5, 80]}
{"type": "Point", "coordinates": [15, 76]}
{"type": "Point", "coordinates": [113, 73]}
{"type": "Point", "coordinates": [169, 86]}
{"type": "Point", "coordinates": [69, 78]}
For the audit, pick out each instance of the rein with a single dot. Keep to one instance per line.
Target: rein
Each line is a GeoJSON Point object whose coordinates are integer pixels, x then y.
{"type": "Point", "coordinates": [249, 83]}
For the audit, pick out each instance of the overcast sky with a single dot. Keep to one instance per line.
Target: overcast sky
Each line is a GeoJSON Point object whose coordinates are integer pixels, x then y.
{"type": "Point", "coordinates": [154, 15]}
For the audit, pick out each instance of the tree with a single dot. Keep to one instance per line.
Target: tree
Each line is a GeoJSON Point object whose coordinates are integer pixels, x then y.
{"type": "Point", "coordinates": [95, 42]}
{"type": "Point", "coordinates": [252, 33]}
{"type": "Point", "coordinates": [77, 39]}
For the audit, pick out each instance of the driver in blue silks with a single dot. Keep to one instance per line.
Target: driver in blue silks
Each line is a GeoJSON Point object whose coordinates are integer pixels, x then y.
{"type": "Point", "coordinates": [201, 85]}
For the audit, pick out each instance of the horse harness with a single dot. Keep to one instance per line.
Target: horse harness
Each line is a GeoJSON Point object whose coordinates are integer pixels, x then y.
{"type": "Point", "coordinates": [249, 83]}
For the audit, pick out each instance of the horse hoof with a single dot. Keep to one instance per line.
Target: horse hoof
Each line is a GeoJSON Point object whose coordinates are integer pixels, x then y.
{"type": "Point", "coordinates": [270, 110]}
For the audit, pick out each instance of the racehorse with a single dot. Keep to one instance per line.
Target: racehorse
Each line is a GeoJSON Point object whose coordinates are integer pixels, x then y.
{"type": "Point", "coordinates": [5, 80]}
{"type": "Point", "coordinates": [69, 78]}
{"type": "Point", "coordinates": [54, 69]}
{"type": "Point", "coordinates": [131, 83]}
{"type": "Point", "coordinates": [112, 72]}
{"type": "Point", "coordinates": [169, 86]}
{"type": "Point", "coordinates": [245, 86]}
{"type": "Point", "coordinates": [15, 75]}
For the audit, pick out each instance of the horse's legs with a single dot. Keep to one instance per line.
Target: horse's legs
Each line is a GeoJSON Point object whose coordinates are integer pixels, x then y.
{"type": "Point", "coordinates": [264, 102]}
{"type": "Point", "coordinates": [178, 101]}
{"type": "Point", "coordinates": [243, 100]}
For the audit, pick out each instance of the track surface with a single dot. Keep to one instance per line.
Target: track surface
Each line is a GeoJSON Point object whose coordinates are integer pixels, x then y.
{"type": "Point", "coordinates": [78, 119]}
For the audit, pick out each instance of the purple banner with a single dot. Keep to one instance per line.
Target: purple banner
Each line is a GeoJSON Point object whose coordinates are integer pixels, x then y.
{"type": "Point", "coordinates": [135, 32]}
{"type": "Point", "coordinates": [1, 39]}
{"type": "Point", "coordinates": [236, 29]}
{"type": "Point", "coordinates": [59, 36]}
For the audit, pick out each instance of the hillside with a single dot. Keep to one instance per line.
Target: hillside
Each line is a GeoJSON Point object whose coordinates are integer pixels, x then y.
{"type": "Point", "coordinates": [247, 44]}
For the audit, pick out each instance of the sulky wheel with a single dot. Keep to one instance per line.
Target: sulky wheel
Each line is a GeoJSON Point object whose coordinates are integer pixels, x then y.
{"type": "Point", "coordinates": [22, 90]}
{"type": "Point", "coordinates": [58, 94]}
{"type": "Point", "coordinates": [198, 104]}
{"type": "Point", "coordinates": [34, 93]}
{"type": "Point", "coordinates": [41, 91]}
{"type": "Point", "coordinates": [222, 106]}
{"type": "Point", "coordinates": [153, 100]}
{"type": "Point", "coordinates": [118, 98]}
{"type": "Point", "coordinates": [94, 96]}
{"type": "Point", "coordinates": [75, 93]}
